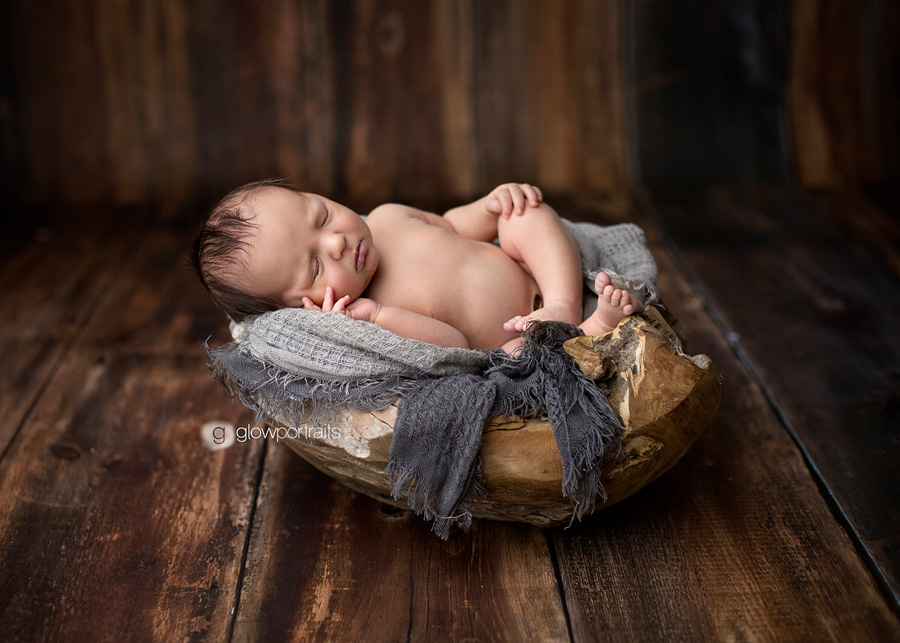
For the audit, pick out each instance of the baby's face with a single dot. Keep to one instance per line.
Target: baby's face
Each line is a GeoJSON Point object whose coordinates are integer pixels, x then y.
{"type": "Point", "coordinates": [303, 243]}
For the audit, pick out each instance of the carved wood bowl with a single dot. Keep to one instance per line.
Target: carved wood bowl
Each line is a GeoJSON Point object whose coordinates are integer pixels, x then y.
{"type": "Point", "coordinates": [664, 397]}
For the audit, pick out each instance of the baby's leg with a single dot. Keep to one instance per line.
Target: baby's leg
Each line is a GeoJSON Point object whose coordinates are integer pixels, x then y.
{"type": "Point", "coordinates": [540, 240]}
{"type": "Point", "coordinates": [614, 303]}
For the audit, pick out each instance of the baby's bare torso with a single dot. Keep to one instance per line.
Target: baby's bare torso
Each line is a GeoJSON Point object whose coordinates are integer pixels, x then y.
{"type": "Point", "coordinates": [471, 285]}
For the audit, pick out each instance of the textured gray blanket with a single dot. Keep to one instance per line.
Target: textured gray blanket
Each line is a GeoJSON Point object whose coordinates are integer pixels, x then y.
{"type": "Point", "coordinates": [294, 363]}
{"type": "Point", "coordinates": [434, 450]}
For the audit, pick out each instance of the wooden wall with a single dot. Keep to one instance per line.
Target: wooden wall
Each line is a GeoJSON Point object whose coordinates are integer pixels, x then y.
{"type": "Point", "coordinates": [844, 91]}
{"type": "Point", "coordinates": [133, 101]}
{"type": "Point", "coordinates": [708, 81]}
{"type": "Point", "coordinates": [176, 100]}
{"type": "Point", "coordinates": [749, 91]}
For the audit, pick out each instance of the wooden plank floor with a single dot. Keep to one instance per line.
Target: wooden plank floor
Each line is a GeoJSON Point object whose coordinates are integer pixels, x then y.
{"type": "Point", "coordinates": [780, 524]}
{"type": "Point", "coordinates": [811, 301]}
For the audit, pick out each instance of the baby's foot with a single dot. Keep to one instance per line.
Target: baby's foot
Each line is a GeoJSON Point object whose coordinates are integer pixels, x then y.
{"type": "Point", "coordinates": [614, 303]}
{"type": "Point", "coordinates": [553, 311]}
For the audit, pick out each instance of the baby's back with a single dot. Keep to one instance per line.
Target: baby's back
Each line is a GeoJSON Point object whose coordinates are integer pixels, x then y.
{"type": "Point", "coordinates": [471, 285]}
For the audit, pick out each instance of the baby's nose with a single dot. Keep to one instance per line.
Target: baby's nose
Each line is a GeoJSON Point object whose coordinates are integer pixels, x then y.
{"type": "Point", "coordinates": [336, 245]}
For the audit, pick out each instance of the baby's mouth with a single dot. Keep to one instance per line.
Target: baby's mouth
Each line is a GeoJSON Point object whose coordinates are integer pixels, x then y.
{"type": "Point", "coordinates": [360, 255]}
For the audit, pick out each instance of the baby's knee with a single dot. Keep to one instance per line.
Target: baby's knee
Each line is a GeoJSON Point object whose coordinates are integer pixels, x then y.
{"type": "Point", "coordinates": [541, 210]}
{"type": "Point", "coordinates": [535, 220]}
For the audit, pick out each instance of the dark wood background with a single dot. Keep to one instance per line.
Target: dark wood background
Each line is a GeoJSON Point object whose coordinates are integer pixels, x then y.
{"type": "Point", "coordinates": [174, 102]}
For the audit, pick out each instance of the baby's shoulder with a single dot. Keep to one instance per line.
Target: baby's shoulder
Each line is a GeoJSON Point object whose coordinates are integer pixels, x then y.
{"type": "Point", "coordinates": [395, 214]}
{"type": "Point", "coordinates": [398, 218]}
{"type": "Point", "coordinates": [392, 212]}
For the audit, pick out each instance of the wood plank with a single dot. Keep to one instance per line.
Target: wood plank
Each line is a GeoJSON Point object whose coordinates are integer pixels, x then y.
{"type": "Point", "coordinates": [116, 523]}
{"type": "Point", "coordinates": [705, 81]}
{"type": "Point", "coordinates": [53, 274]}
{"type": "Point", "coordinates": [392, 101]}
{"type": "Point", "coordinates": [871, 219]}
{"type": "Point", "coordinates": [109, 116]}
{"type": "Point", "coordinates": [375, 99]}
{"type": "Point", "coordinates": [326, 563]}
{"type": "Point", "coordinates": [735, 543]}
{"type": "Point", "coordinates": [817, 320]}
{"type": "Point", "coordinates": [843, 92]}
{"type": "Point", "coordinates": [548, 99]}
{"type": "Point", "coordinates": [172, 100]}
{"type": "Point", "coordinates": [264, 87]}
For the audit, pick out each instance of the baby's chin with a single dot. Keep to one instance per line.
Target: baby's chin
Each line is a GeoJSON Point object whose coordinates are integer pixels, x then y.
{"type": "Point", "coordinates": [360, 292]}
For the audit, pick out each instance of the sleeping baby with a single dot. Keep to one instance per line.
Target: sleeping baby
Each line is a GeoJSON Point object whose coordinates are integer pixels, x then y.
{"type": "Point", "coordinates": [437, 279]}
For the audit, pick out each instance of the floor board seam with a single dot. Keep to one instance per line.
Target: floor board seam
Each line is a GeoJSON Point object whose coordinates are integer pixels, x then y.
{"type": "Point", "coordinates": [246, 548]}
{"type": "Point", "coordinates": [557, 570]}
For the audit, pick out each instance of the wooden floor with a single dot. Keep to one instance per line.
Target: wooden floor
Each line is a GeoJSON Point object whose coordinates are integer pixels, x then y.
{"type": "Point", "coordinates": [781, 524]}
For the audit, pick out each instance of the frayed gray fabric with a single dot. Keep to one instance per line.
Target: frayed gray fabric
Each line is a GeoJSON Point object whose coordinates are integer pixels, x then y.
{"type": "Point", "coordinates": [272, 392]}
{"type": "Point", "coordinates": [621, 252]}
{"type": "Point", "coordinates": [541, 375]}
{"type": "Point", "coordinates": [434, 449]}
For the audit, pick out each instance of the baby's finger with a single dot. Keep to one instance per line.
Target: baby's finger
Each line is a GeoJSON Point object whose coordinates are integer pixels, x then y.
{"type": "Point", "coordinates": [518, 199]}
{"type": "Point", "coordinates": [533, 193]}
{"type": "Point", "coordinates": [340, 304]}
{"type": "Point", "coordinates": [506, 205]}
{"type": "Point", "coordinates": [309, 304]}
{"type": "Point", "coordinates": [328, 303]}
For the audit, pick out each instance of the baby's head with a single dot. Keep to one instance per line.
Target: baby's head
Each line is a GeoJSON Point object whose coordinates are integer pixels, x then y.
{"type": "Point", "coordinates": [267, 245]}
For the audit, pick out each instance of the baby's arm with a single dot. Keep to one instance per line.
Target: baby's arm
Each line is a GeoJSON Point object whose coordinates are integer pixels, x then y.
{"type": "Point", "coordinates": [397, 320]}
{"type": "Point", "coordinates": [415, 326]}
{"type": "Point", "coordinates": [478, 220]}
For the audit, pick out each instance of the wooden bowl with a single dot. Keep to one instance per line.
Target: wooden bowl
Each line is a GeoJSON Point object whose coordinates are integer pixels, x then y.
{"type": "Point", "coordinates": [664, 397]}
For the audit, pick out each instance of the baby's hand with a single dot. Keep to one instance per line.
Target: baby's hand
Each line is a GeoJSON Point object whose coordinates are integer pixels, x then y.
{"type": "Point", "coordinates": [329, 305]}
{"type": "Point", "coordinates": [361, 308]}
{"type": "Point", "coordinates": [510, 198]}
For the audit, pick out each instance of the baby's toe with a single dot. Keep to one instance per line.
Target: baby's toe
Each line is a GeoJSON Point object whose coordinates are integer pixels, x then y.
{"type": "Point", "coordinates": [514, 324]}
{"type": "Point", "coordinates": [601, 282]}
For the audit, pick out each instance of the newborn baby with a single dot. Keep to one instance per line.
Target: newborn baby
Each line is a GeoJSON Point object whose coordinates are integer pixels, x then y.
{"type": "Point", "coordinates": [437, 279]}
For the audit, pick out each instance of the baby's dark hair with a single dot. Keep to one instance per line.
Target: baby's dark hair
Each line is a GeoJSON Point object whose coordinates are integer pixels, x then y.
{"type": "Point", "coordinates": [216, 255]}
